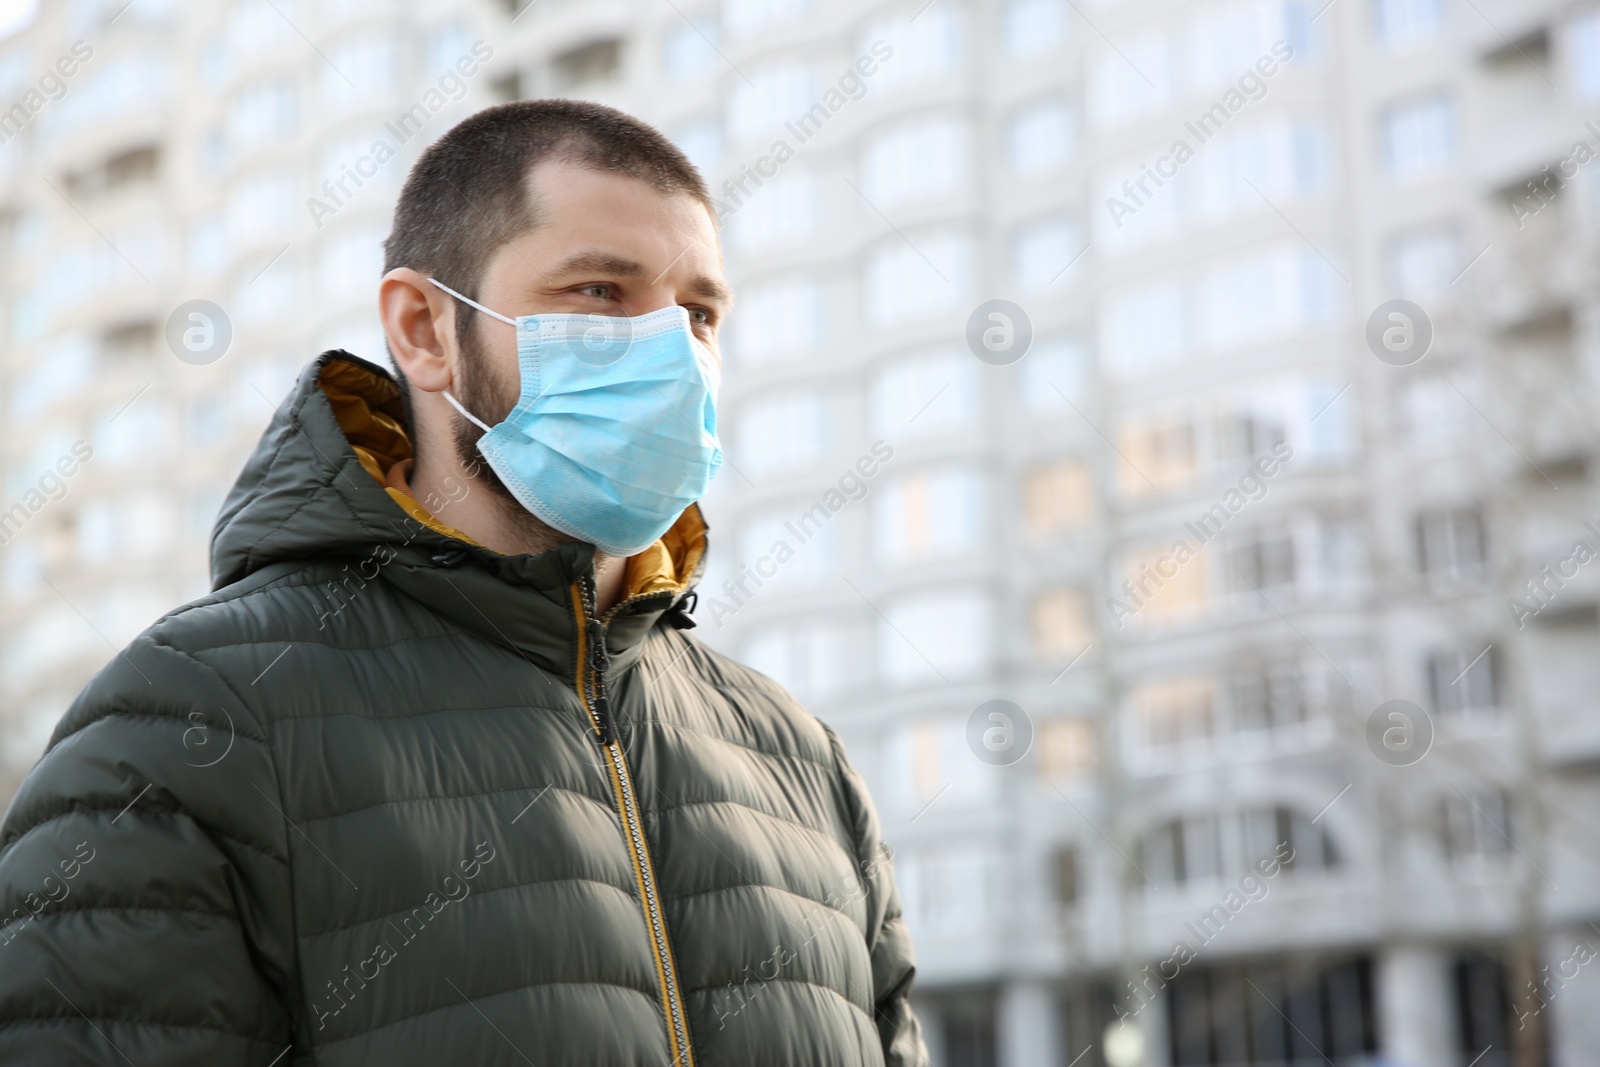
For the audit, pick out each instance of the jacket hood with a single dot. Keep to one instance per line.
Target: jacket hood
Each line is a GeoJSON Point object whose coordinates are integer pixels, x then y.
{"type": "Point", "coordinates": [317, 487]}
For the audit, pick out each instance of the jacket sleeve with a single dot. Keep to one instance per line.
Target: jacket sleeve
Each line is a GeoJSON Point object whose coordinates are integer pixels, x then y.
{"type": "Point", "coordinates": [893, 960]}
{"type": "Point", "coordinates": [143, 881]}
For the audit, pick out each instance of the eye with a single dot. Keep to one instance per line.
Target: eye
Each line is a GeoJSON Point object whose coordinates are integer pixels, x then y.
{"type": "Point", "coordinates": [599, 290]}
{"type": "Point", "coordinates": [699, 316]}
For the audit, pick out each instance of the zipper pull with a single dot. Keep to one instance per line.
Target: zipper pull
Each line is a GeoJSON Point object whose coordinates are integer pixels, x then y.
{"type": "Point", "coordinates": [599, 660]}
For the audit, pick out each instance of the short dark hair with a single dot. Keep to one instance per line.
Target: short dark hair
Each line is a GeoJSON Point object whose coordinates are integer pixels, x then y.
{"type": "Point", "coordinates": [468, 192]}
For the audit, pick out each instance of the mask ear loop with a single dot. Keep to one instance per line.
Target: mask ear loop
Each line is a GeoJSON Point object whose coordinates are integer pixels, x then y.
{"type": "Point", "coordinates": [469, 416]}
{"type": "Point", "coordinates": [473, 303]}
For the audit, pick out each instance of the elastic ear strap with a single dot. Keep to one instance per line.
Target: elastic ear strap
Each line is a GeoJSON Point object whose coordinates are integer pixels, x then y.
{"type": "Point", "coordinates": [474, 303]}
{"type": "Point", "coordinates": [469, 416]}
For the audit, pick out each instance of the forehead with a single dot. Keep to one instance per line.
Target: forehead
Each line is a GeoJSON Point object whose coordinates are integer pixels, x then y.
{"type": "Point", "coordinates": [572, 202]}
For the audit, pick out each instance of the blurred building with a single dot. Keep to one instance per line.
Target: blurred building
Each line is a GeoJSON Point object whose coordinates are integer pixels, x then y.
{"type": "Point", "coordinates": [1107, 627]}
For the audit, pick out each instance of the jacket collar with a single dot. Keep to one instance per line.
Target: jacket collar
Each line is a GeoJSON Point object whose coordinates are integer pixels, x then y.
{"type": "Point", "coordinates": [319, 485]}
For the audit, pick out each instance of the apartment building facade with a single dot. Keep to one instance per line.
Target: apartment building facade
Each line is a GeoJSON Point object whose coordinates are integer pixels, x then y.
{"type": "Point", "coordinates": [1077, 472]}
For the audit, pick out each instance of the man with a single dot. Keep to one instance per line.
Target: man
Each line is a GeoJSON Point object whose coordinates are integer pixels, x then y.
{"type": "Point", "coordinates": [436, 775]}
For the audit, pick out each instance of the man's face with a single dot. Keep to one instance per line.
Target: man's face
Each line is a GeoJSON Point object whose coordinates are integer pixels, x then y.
{"type": "Point", "coordinates": [605, 244]}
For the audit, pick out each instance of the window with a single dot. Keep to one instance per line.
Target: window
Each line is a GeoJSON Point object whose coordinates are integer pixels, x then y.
{"type": "Point", "coordinates": [142, 433]}
{"type": "Point", "coordinates": [1064, 875]}
{"type": "Point", "coordinates": [1143, 329]}
{"type": "Point", "coordinates": [774, 95]}
{"type": "Point", "coordinates": [1041, 253]}
{"type": "Point", "coordinates": [359, 70]}
{"type": "Point", "coordinates": [1175, 711]}
{"type": "Point", "coordinates": [264, 111]}
{"type": "Point", "coordinates": [916, 161]}
{"type": "Point", "coordinates": [943, 887]}
{"type": "Point", "coordinates": [1059, 623]}
{"type": "Point", "coordinates": [803, 658]}
{"type": "Point", "coordinates": [1131, 82]}
{"type": "Point", "coordinates": [1419, 137]}
{"type": "Point", "coordinates": [927, 394]}
{"type": "Point", "coordinates": [777, 320]}
{"type": "Point", "coordinates": [928, 514]}
{"type": "Point", "coordinates": [1031, 28]}
{"type": "Point", "coordinates": [1485, 1013]}
{"type": "Point", "coordinates": [266, 291]}
{"type": "Point", "coordinates": [1267, 830]}
{"type": "Point", "coordinates": [1156, 456]}
{"type": "Point", "coordinates": [127, 82]}
{"type": "Point", "coordinates": [69, 368]}
{"type": "Point", "coordinates": [1245, 433]}
{"type": "Point", "coordinates": [1476, 823]}
{"type": "Point", "coordinates": [1066, 746]}
{"type": "Point", "coordinates": [1450, 544]}
{"type": "Point", "coordinates": [262, 205]}
{"type": "Point", "coordinates": [782, 433]}
{"type": "Point", "coordinates": [905, 280]}
{"type": "Point", "coordinates": [446, 44]}
{"type": "Point", "coordinates": [209, 420]}
{"type": "Point", "coordinates": [1268, 697]}
{"type": "Point", "coordinates": [1266, 294]}
{"type": "Point", "coordinates": [1057, 496]}
{"type": "Point", "coordinates": [1435, 413]}
{"type": "Point", "coordinates": [1262, 561]}
{"type": "Point", "coordinates": [702, 142]}
{"type": "Point", "coordinates": [350, 262]}
{"type": "Point", "coordinates": [1583, 50]}
{"type": "Point", "coordinates": [1051, 375]}
{"type": "Point", "coordinates": [926, 47]}
{"type": "Point", "coordinates": [1272, 1013]}
{"type": "Point", "coordinates": [1424, 263]}
{"type": "Point", "coordinates": [690, 48]}
{"type": "Point", "coordinates": [200, 510]}
{"type": "Point", "coordinates": [1462, 681]}
{"type": "Point", "coordinates": [1397, 23]}
{"type": "Point", "coordinates": [1040, 137]}
{"type": "Point", "coordinates": [783, 210]}
{"type": "Point", "coordinates": [934, 637]}
{"type": "Point", "coordinates": [24, 568]}
{"type": "Point", "coordinates": [769, 545]}
{"type": "Point", "coordinates": [749, 16]}
{"type": "Point", "coordinates": [1341, 563]}
{"type": "Point", "coordinates": [1183, 851]}
{"type": "Point", "coordinates": [588, 64]}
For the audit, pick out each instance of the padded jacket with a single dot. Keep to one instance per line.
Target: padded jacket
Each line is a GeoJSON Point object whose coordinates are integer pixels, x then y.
{"type": "Point", "coordinates": [388, 797]}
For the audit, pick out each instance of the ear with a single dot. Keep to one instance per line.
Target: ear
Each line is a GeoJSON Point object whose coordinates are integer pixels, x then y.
{"type": "Point", "coordinates": [419, 322]}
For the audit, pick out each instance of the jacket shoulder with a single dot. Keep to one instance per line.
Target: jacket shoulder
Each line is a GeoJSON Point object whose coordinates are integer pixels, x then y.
{"type": "Point", "coordinates": [744, 705]}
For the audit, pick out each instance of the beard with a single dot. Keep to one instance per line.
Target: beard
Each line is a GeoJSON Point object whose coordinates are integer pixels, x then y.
{"type": "Point", "coordinates": [491, 399]}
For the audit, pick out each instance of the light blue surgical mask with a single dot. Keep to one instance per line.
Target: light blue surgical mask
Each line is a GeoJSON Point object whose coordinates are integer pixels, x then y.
{"type": "Point", "coordinates": [615, 430]}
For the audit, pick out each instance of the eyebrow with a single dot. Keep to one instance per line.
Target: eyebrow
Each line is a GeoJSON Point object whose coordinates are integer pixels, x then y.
{"type": "Point", "coordinates": [597, 261]}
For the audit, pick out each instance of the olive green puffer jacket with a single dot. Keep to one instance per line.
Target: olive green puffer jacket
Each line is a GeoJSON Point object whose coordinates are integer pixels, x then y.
{"type": "Point", "coordinates": [382, 798]}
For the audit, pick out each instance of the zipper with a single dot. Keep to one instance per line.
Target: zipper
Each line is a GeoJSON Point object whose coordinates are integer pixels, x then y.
{"type": "Point", "coordinates": [593, 660]}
